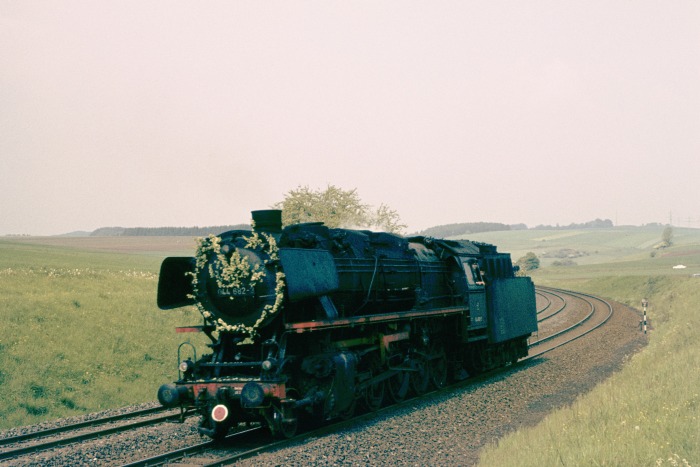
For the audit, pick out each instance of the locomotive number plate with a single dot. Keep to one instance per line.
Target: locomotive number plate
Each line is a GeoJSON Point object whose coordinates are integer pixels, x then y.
{"type": "Point", "coordinates": [234, 292]}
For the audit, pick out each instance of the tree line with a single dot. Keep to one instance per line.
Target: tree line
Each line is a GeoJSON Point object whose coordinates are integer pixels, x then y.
{"type": "Point", "coordinates": [165, 231]}
{"type": "Point", "coordinates": [595, 224]}
{"type": "Point", "coordinates": [337, 207]}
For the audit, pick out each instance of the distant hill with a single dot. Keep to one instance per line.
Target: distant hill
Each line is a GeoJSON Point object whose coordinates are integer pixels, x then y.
{"type": "Point", "coordinates": [440, 231]}
{"type": "Point", "coordinates": [465, 228]}
{"type": "Point", "coordinates": [596, 224]}
{"type": "Point", "coordinates": [165, 231]}
{"type": "Point", "coordinates": [453, 230]}
{"type": "Point", "coordinates": [77, 233]}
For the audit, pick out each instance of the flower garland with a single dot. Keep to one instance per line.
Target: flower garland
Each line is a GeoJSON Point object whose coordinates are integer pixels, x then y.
{"type": "Point", "coordinates": [236, 272]}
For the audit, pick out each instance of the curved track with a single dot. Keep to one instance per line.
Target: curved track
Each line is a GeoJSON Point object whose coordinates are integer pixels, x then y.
{"type": "Point", "coordinates": [553, 305]}
{"type": "Point", "coordinates": [563, 317]}
{"type": "Point", "coordinates": [577, 324]}
{"type": "Point", "coordinates": [576, 314]}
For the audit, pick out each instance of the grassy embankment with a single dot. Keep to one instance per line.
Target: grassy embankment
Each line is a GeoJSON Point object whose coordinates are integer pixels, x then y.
{"type": "Point", "coordinates": [649, 413]}
{"type": "Point", "coordinates": [80, 328]}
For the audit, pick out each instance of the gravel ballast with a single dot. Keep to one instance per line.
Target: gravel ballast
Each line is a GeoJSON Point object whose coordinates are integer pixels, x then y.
{"type": "Point", "coordinates": [450, 429]}
{"type": "Point", "coordinates": [446, 429]}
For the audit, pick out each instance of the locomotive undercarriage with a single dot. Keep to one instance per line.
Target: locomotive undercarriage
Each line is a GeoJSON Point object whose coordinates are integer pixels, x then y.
{"type": "Point", "coordinates": [296, 377]}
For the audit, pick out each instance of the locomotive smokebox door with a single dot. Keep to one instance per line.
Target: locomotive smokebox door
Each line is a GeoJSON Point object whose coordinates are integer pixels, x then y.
{"type": "Point", "coordinates": [308, 273]}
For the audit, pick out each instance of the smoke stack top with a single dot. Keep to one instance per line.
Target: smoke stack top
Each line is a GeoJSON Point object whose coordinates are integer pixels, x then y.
{"type": "Point", "coordinates": [267, 219]}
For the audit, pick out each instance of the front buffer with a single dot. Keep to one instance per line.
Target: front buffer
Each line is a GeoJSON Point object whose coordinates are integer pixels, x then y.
{"type": "Point", "coordinates": [223, 404]}
{"type": "Point", "coordinates": [256, 393]}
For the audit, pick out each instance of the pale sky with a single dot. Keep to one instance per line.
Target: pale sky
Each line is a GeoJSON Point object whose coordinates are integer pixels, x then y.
{"type": "Point", "coordinates": [169, 113]}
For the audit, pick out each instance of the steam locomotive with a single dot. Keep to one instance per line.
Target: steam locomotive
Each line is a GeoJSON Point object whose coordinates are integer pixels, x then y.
{"type": "Point", "coordinates": [308, 322]}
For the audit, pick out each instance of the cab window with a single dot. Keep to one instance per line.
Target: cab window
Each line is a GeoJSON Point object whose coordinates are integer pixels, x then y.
{"type": "Point", "coordinates": [473, 273]}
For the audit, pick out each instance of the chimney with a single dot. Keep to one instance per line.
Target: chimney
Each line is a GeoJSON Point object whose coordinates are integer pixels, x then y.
{"type": "Point", "coordinates": [269, 220]}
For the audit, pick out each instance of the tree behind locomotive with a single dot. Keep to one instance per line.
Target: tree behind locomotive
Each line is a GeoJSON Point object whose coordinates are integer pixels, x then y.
{"type": "Point", "coordinates": [309, 321]}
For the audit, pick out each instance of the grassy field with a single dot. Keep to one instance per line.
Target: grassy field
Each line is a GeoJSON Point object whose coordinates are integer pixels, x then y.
{"type": "Point", "coordinates": [623, 250]}
{"type": "Point", "coordinates": [649, 413]}
{"type": "Point", "coordinates": [81, 333]}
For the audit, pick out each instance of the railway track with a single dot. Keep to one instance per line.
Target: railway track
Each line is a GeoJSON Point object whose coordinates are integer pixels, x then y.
{"type": "Point", "coordinates": [563, 316]}
{"type": "Point", "coordinates": [553, 305]}
{"type": "Point", "coordinates": [547, 302]}
{"type": "Point", "coordinates": [598, 312]}
{"type": "Point", "coordinates": [42, 440]}
{"type": "Point", "coordinates": [241, 444]}
{"type": "Point", "coordinates": [555, 301]}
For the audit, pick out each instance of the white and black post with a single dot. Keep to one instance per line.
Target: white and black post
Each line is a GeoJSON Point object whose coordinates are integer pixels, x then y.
{"type": "Point", "coordinates": [645, 304]}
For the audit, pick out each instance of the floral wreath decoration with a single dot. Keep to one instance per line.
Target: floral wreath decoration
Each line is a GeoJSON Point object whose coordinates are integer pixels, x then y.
{"type": "Point", "coordinates": [236, 272]}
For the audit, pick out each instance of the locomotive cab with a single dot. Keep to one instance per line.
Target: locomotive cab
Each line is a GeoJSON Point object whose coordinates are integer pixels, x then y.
{"type": "Point", "coordinates": [475, 298]}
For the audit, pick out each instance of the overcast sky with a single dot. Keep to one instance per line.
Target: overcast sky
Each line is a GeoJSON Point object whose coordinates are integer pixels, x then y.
{"type": "Point", "coordinates": [142, 113]}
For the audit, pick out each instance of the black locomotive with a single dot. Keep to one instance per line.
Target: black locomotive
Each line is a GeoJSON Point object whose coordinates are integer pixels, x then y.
{"type": "Point", "coordinates": [308, 321]}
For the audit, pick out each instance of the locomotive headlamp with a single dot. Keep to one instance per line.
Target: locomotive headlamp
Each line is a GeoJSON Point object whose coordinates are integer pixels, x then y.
{"type": "Point", "coordinates": [185, 366]}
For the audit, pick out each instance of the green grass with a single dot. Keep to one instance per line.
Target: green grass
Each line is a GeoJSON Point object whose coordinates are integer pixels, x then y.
{"type": "Point", "coordinates": [649, 413]}
{"type": "Point", "coordinates": [81, 331]}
